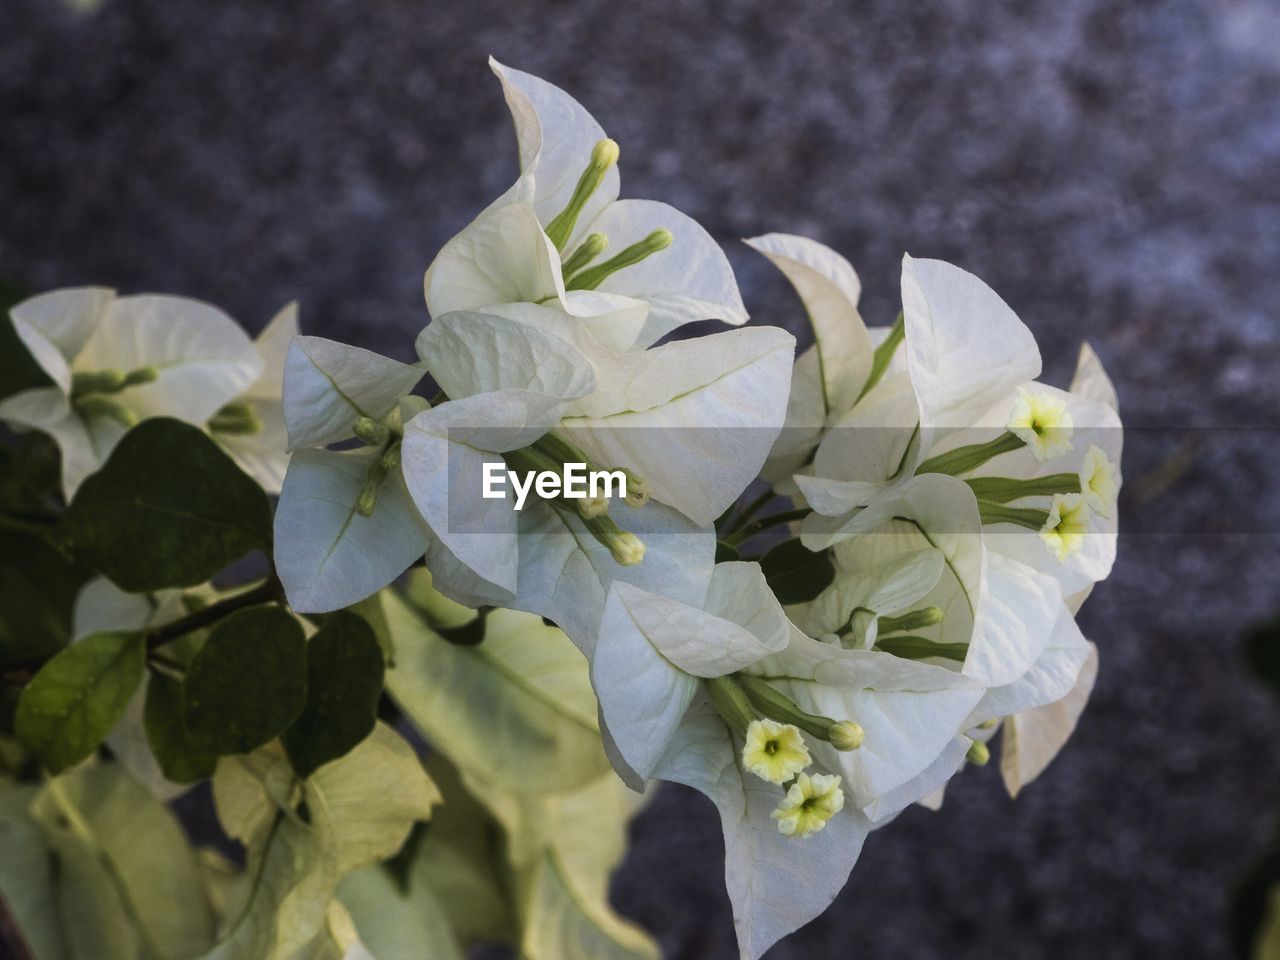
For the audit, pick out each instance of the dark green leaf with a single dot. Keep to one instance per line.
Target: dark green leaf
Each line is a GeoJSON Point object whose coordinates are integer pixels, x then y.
{"type": "Point", "coordinates": [38, 587]}
{"type": "Point", "coordinates": [18, 369]}
{"type": "Point", "coordinates": [1262, 647]}
{"type": "Point", "coordinates": [795, 574]}
{"type": "Point", "coordinates": [248, 682]}
{"type": "Point", "coordinates": [31, 478]}
{"type": "Point", "coordinates": [71, 705]}
{"type": "Point", "coordinates": [1251, 901]}
{"type": "Point", "coordinates": [168, 509]}
{"type": "Point", "coordinates": [726, 552]}
{"type": "Point", "coordinates": [344, 679]}
{"type": "Point", "coordinates": [180, 759]}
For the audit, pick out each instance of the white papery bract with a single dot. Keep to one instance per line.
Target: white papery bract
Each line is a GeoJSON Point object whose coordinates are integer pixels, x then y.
{"type": "Point", "coordinates": [344, 527]}
{"type": "Point", "coordinates": [505, 255]}
{"type": "Point", "coordinates": [117, 360]}
{"type": "Point", "coordinates": [262, 450]}
{"type": "Point", "coordinates": [953, 414]}
{"type": "Point", "coordinates": [861, 424]}
{"type": "Point", "coordinates": [963, 509]}
{"type": "Point", "coordinates": [692, 420]}
{"type": "Point", "coordinates": [648, 666]}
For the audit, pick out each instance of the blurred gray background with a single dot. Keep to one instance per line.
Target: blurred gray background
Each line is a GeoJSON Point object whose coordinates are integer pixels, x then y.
{"type": "Point", "coordinates": [1111, 169]}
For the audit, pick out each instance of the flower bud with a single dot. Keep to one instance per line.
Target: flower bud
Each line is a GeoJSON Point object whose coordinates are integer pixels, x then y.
{"type": "Point", "coordinates": [979, 754]}
{"type": "Point", "coordinates": [370, 431]}
{"type": "Point", "coordinates": [846, 735]}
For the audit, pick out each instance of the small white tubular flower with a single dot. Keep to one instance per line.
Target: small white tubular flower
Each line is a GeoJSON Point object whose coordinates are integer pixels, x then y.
{"type": "Point", "coordinates": [1043, 423]}
{"type": "Point", "coordinates": [774, 751]}
{"type": "Point", "coordinates": [1068, 522]}
{"type": "Point", "coordinates": [1098, 481]}
{"type": "Point", "coordinates": [810, 802]}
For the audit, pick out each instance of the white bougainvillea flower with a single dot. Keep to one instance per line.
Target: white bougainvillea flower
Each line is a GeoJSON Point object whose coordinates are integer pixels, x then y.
{"type": "Point", "coordinates": [959, 398]}
{"type": "Point", "coordinates": [689, 423]}
{"type": "Point", "coordinates": [810, 802]}
{"type": "Point", "coordinates": [694, 418]}
{"type": "Point", "coordinates": [658, 667]}
{"type": "Point", "coordinates": [1099, 481]}
{"type": "Point", "coordinates": [251, 428]}
{"type": "Point", "coordinates": [1013, 636]}
{"type": "Point", "coordinates": [1043, 423]}
{"type": "Point", "coordinates": [117, 360]}
{"type": "Point", "coordinates": [1031, 738]}
{"type": "Point", "coordinates": [774, 751]}
{"type": "Point", "coordinates": [345, 525]}
{"type": "Point", "coordinates": [980, 612]}
{"type": "Point", "coordinates": [1019, 495]}
{"type": "Point", "coordinates": [631, 270]}
{"type": "Point", "coordinates": [1066, 526]}
{"type": "Point", "coordinates": [829, 376]}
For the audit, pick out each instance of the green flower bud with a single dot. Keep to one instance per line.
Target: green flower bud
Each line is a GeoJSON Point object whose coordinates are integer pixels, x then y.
{"type": "Point", "coordinates": [603, 156]}
{"type": "Point", "coordinates": [592, 277]}
{"type": "Point", "coordinates": [846, 735]}
{"type": "Point", "coordinates": [979, 754]}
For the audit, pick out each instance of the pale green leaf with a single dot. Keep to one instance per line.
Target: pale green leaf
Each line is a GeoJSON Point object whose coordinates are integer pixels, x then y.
{"type": "Point", "coordinates": [141, 846]}
{"type": "Point", "coordinates": [517, 708]}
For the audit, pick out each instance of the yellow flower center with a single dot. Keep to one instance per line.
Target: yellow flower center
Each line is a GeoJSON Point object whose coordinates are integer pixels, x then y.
{"type": "Point", "coordinates": [1098, 481]}
{"type": "Point", "coordinates": [1042, 422]}
{"type": "Point", "coordinates": [1068, 522]}
{"type": "Point", "coordinates": [774, 751]}
{"type": "Point", "coordinates": [809, 803]}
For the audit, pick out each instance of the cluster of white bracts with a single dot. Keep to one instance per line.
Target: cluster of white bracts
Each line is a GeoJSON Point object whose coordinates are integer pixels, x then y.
{"type": "Point", "coordinates": [969, 509]}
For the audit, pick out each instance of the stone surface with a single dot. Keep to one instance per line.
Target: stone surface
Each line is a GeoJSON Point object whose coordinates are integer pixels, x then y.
{"type": "Point", "coordinates": [1109, 168]}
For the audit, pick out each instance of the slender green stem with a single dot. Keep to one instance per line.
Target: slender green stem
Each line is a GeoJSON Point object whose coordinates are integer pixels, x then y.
{"type": "Point", "coordinates": [746, 513]}
{"type": "Point", "coordinates": [764, 523]}
{"type": "Point", "coordinates": [920, 648]}
{"type": "Point", "coordinates": [1030, 518]}
{"type": "Point", "coordinates": [267, 592]}
{"type": "Point", "coordinates": [19, 525]}
{"type": "Point", "coordinates": [963, 459]}
{"type": "Point", "coordinates": [883, 355]}
{"type": "Point", "coordinates": [1004, 489]}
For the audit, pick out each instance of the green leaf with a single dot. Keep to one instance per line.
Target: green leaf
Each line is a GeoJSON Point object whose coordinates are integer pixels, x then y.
{"type": "Point", "coordinates": [517, 709]}
{"type": "Point", "coordinates": [71, 705]}
{"type": "Point", "coordinates": [168, 509]}
{"type": "Point", "coordinates": [566, 923]}
{"type": "Point", "coordinates": [114, 820]}
{"type": "Point", "coordinates": [27, 871]}
{"type": "Point", "coordinates": [795, 574]}
{"type": "Point", "coordinates": [38, 587]}
{"type": "Point", "coordinates": [359, 810]}
{"type": "Point", "coordinates": [164, 718]}
{"type": "Point", "coordinates": [562, 848]}
{"type": "Point", "coordinates": [248, 682]}
{"type": "Point", "coordinates": [1250, 903]}
{"type": "Point", "coordinates": [344, 680]}
{"type": "Point", "coordinates": [1262, 647]}
{"type": "Point", "coordinates": [394, 923]}
{"type": "Point", "coordinates": [18, 369]}
{"type": "Point", "coordinates": [462, 861]}
{"type": "Point", "coordinates": [727, 552]}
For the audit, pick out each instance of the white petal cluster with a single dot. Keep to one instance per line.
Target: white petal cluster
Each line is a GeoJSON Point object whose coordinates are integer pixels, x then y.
{"type": "Point", "coordinates": [966, 507]}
